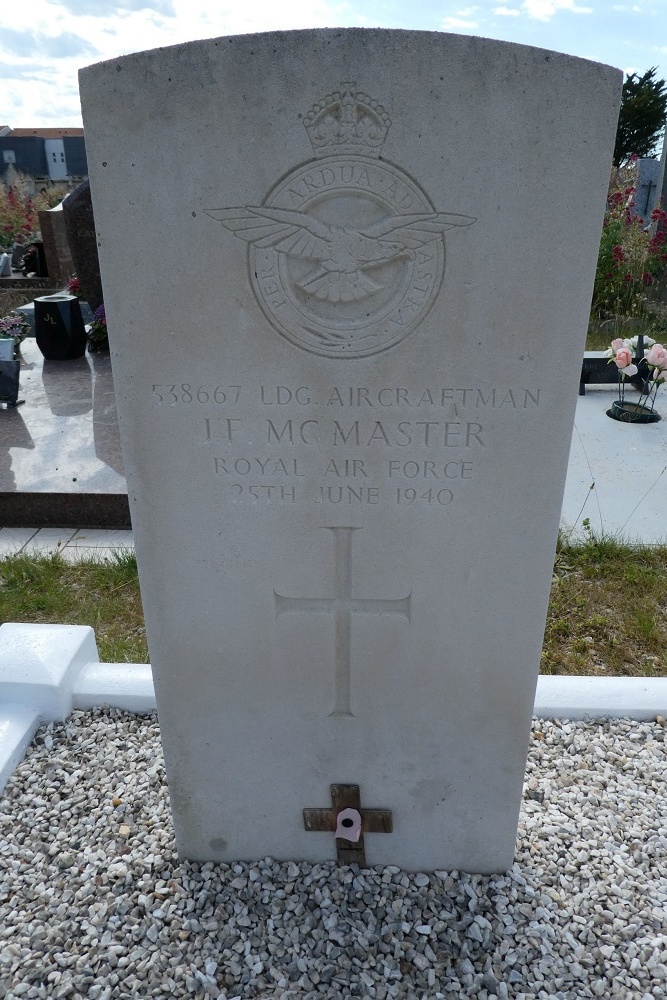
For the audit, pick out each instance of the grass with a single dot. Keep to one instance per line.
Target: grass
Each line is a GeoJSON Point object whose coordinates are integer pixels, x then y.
{"type": "Point", "coordinates": [599, 339]}
{"type": "Point", "coordinates": [602, 332]}
{"type": "Point", "coordinates": [607, 612]}
{"type": "Point", "coordinates": [39, 589]}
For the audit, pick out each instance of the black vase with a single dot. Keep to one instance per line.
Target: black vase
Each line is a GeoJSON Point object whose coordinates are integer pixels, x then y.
{"type": "Point", "coordinates": [59, 329]}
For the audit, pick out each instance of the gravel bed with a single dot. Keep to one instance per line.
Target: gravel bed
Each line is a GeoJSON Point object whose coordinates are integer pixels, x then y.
{"type": "Point", "coordinates": [94, 902]}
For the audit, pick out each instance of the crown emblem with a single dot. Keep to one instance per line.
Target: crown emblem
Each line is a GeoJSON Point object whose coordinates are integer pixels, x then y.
{"type": "Point", "coordinates": [347, 121]}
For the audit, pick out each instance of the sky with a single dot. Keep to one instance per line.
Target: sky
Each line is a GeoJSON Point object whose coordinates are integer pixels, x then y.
{"type": "Point", "coordinates": [42, 49]}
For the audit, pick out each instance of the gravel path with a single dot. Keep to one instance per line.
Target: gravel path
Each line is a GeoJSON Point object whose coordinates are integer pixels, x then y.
{"type": "Point", "coordinates": [94, 903]}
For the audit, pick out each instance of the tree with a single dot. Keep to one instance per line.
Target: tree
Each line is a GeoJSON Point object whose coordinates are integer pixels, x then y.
{"type": "Point", "coordinates": [642, 118]}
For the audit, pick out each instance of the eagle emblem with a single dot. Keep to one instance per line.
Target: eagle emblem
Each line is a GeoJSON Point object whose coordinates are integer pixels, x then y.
{"type": "Point", "coordinates": [346, 259]}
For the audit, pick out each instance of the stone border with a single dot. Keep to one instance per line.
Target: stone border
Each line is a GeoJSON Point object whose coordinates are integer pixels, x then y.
{"type": "Point", "coordinates": [65, 510]}
{"type": "Point", "coordinates": [48, 671]}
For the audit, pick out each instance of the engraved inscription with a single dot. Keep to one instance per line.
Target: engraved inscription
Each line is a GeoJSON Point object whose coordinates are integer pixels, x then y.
{"type": "Point", "coordinates": [348, 494]}
{"type": "Point", "coordinates": [355, 433]}
{"type": "Point", "coordinates": [345, 256]}
{"type": "Point", "coordinates": [203, 394]}
{"type": "Point", "coordinates": [342, 446]}
{"type": "Point", "coordinates": [342, 605]}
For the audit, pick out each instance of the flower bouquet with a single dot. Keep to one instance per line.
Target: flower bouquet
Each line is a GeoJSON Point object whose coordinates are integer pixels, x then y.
{"type": "Point", "coordinates": [74, 287]}
{"type": "Point", "coordinates": [643, 364]}
{"type": "Point", "coordinates": [98, 338]}
{"type": "Point", "coordinates": [16, 326]}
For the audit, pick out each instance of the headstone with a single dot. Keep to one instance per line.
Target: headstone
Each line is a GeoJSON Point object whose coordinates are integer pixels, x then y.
{"type": "Point", "coordinates": [82, 240]}
{"type": "Point", "coordinates": [34, 261]}
{"type": "Point", "coordinates": [662, 184]}
{"type": "Point", "coordinates": [647, 196]}
{"type": "Point", "coordinates": [18, 251]}
{"type": "Point", "coordinates": [662, 179]}
{"type": "Point", "coordinates": [11, 176]}
{"type": "Point", "coordinates": [56, 246]}
{"type": "Point", "coordinates": [346, 417]}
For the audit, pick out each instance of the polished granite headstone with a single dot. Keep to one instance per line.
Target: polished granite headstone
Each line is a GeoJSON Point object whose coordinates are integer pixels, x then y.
{"type": "Point", "coordinates": [346, 417]}
{"type": "Point", "coordinates": [82, 239]}
{"type": "Point", "coordinates": [60, 458]}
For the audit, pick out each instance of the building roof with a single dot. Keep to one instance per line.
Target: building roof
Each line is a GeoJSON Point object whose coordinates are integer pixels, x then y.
{"type": "Point", "coordinates": [46, 133]}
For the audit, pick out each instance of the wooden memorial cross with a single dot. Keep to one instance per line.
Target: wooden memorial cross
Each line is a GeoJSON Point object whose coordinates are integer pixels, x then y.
{"type": "Point", "coordinates": [347, 799]}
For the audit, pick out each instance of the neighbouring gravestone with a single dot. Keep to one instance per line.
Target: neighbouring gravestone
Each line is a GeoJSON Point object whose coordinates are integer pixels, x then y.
{"type": "Point", "coordinates": [82, 240]}
{"type": "Point", "coordinates": [59, 263]}
{"type": "Point", "coordinates": [346, 413]}
{"type": "Point", "coordinates": [647, 196]}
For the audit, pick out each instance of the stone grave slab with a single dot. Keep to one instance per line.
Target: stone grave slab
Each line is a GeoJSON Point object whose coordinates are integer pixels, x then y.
{"type": "Point", "coordinates": [346, 415]}
{"type": "Point", "coordinates": [60, 456]}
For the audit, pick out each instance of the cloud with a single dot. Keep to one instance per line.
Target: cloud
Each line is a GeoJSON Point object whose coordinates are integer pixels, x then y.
{"type": "Point", "coordinates": [24, 41]}
{"type": "Point", "coordinates": [537, 10]}
{"type": "Point", "coordinates": [17, 42]}
{"type": "Point", "coordinates": [11, 71]}
{"type": "Point", "coordinates": [454, 23]}
{"type": "Point", "coordinates": [93, 8]}
{"type": "Point", "coordinates": [544, 10]}
{"type": "Point", "coordinates": [64, 45]}
{"type": "Point", "coordinates": [460, 19]}
{"type": "Point", "coordinates": [53, 113]}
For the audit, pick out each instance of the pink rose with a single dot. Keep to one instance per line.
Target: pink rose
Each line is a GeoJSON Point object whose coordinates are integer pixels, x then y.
{"type": "Point", "coordinates": [657, 356]}
{"type": "Point", "coordinates": [623, 357]}
{"type": "Point", "coordinates": [618, 344]}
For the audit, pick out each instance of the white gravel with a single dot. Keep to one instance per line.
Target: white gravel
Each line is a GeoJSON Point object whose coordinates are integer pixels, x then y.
{"type": "Point", "coordinates": [94, 903]}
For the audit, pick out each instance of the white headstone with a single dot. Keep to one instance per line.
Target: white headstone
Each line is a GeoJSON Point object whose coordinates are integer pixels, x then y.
{"type": "Point", "coordinates": [346, 415]}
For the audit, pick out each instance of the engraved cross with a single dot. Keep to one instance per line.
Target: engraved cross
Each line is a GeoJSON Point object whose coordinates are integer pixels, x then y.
{"type": "Point", "coordinates": [342, 605]}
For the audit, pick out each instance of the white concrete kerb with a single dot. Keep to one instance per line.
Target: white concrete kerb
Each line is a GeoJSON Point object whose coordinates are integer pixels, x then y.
{"type": "Point", "coordinates": [40, 664]}
{"type": "Point", "coordinates": [48, 671]}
